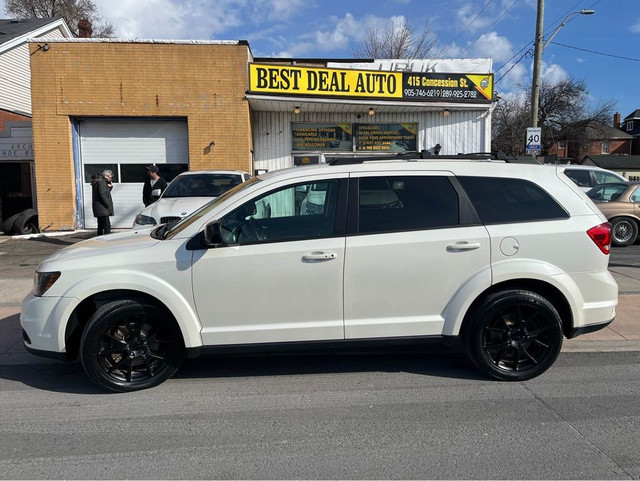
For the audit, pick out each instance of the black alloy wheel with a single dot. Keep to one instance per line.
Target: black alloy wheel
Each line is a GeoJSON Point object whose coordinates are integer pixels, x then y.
{"type": "Point", "coordinates": [128, 346]}
{"type": "Point", "coordinates": [515, 335]}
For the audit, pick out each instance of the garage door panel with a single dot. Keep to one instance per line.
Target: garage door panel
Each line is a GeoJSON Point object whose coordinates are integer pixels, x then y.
{"type": "Point", "coordinates": [123, 146]}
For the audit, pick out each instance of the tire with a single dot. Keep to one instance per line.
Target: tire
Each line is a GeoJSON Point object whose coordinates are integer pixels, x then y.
{"type": "Point", "coordinates": [624, 231]}
{"type": "Point", "coordinates": [514, 335]}
{"type": "Point", "coordinates": [7, 225]}
{"type": "Point", "coordinates": [26, 223]}
{"type": "Point", "coordinates": [130, 345]}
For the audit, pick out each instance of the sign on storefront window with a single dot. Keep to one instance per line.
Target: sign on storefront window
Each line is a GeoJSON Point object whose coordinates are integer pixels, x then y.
{"type": "Point", "coordinates": [386, 137]}
{"type": "Point", "coordinates": [322, 137]}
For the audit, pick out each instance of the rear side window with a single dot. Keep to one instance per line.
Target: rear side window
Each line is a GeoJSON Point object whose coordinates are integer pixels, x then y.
{"type": "Point", "coordinates": [581, 177]}
{"type": "Point", "coordinates": [502, 200]}
{"type": "Point", "coordinates": [401, 203]}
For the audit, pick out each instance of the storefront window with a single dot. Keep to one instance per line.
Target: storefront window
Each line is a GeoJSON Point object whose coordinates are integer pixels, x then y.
{"type": "Point", "coordinates": [322, 137]}
{"type": "Point", "coordinates": [93, 170]}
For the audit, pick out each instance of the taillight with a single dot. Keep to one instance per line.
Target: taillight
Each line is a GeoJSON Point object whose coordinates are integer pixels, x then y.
{"type": "Point", "coordinates": [601, 235]}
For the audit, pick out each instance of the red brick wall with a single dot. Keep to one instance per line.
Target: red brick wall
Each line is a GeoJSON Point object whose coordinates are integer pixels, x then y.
{"type": "Point", "coordinates": [6, 116]}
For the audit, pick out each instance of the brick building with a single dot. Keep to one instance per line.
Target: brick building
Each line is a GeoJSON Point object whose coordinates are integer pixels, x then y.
{"type": "Point", "coordinates": [122, 105]}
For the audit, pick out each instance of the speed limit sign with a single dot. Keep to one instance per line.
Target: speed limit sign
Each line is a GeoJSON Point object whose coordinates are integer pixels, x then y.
{"type": "Point", "coordinates": [534, 136]}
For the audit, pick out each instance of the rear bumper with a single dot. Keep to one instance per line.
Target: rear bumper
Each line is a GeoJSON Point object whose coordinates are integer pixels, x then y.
{"type": "Point", "coordinates": [579, 331]}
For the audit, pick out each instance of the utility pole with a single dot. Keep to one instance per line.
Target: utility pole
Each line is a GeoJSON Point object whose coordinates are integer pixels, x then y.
{"type": "Point", "coordinates": [537, 61]}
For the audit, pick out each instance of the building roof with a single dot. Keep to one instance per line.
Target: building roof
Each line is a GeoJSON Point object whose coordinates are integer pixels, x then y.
{"type": "Point", "coordinates": [12, 28]}
{"type": "Point", "coordinates": [594, 130]}
{"type": "Point", "coordinates": [633, 115]}
{"type": "Point", "coordinates": [612, 162]}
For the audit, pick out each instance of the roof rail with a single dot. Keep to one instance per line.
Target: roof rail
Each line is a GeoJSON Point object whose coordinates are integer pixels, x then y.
{"type": "Point", "coordinates": [423, 154]}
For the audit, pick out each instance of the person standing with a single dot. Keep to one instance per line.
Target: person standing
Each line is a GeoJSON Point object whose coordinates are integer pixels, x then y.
{"type": "Point", "coordinates": [153, 182]}
{"type": "Point", "coordinates": [102, 203]}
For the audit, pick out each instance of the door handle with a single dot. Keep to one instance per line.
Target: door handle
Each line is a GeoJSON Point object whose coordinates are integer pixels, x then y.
{"type": "Point", "coordinates": [463, 246]}
{"type": "Point", "coordinates": [319, 256]}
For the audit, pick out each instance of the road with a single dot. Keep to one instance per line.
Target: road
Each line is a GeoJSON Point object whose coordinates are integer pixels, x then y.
{"type": "Point", "coordinates": [394, 416]}
{"type": "Point", "coordinates": [334, 416]}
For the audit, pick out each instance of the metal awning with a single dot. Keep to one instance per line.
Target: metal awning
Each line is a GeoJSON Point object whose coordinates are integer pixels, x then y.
{"type": "Point", "coordinates": [273, 103]}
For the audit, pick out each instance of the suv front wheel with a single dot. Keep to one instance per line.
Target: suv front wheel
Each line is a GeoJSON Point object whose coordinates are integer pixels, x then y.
{"type": "Point", "coordinates": [514, 335]}
{"type": "Point", "coordinates": [130, 345]}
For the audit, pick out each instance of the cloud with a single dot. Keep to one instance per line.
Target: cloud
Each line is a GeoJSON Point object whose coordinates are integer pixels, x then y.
{"type": "Point", "coordinates": [492, 45]}
{"type": "Point", "coordinates": [553, 73]}
{"type": "Point", "coordinates": [636, 28]}
{"type": "Point", "coordinates": [193, 19]}
{"type": "Point", "coordinates": [466, 14]}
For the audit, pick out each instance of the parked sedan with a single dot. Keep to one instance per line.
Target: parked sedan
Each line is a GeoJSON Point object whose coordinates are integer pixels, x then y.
{"type": "Point", "coordinates": [187, 193]}
{"type": "Point", "coordinates": [620, 202]}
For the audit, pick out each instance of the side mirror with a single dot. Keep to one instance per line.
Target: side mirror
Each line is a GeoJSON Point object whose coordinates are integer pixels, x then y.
{"type": "Point", "coordinates": [155, 194]}
{"type": "Point", "coordinates": [212, 234]}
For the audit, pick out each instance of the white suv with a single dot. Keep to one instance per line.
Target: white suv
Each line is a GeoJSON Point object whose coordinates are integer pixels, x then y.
{"type": "Point", "coordinates": [500, 259]}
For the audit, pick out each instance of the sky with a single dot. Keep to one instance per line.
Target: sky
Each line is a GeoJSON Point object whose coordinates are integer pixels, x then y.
{"type": "Point", "coordinates": [501, 29]}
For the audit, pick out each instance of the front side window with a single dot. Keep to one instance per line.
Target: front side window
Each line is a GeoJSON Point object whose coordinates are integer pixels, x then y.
{"type": "Point", "coordinates": [501, 200]}
{"type": "Point", "coordinates": [401, 203]}
{"type": "Point", "coordinates": [302, 211]}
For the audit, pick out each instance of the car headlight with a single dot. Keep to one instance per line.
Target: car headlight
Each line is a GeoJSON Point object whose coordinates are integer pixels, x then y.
{"type": "Point", "coordinates": [145, 220]}
{"type": "Point", "coordinates": [43, 281]}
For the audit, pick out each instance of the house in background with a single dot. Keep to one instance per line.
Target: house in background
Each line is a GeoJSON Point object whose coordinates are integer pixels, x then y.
{"type": "Point", "coordinates": [591, 138]}
{"type": "Point", "coordinates": [626, 165]}
{"type": "Point", "coordinates": [631, 126]}
{"type": "Point", "coordinates": [17, 183]}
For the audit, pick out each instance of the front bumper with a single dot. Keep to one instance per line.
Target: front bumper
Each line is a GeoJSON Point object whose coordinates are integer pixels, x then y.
{"type": "Point", "coordinates": [43, 320]}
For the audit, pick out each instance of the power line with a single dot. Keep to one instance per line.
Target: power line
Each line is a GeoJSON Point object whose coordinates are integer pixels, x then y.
{"type": "Point", "coordinates": [464, 29]}
{"type": "Point", "coordinates": [512, 67]}
{"type": "Point", "coordinates": [597, 53]}
{"type": "Point", "coordinates": [507, 62]}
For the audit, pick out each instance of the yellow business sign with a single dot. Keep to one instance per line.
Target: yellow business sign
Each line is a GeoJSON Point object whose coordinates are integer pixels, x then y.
{"type": "Point", "coordinates": [281, 79]}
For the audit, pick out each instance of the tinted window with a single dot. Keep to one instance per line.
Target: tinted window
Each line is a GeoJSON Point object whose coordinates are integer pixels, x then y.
{"type": "Point", "coordinates": [93, 170]}
{"type": "Point", "coordinates": [635, 197]}
{"type": "Point", "coordinates": [501, 200]}
{"type": "Point", "coordinates": [304, 211]}
{"type": "Point", "coordinates": [406, 203]}
{"type": "Point", "coordinates": [580, 177]}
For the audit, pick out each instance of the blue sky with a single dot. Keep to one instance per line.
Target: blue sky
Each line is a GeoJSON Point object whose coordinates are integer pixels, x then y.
{"type": "Point", "coordinates": [501, 29]}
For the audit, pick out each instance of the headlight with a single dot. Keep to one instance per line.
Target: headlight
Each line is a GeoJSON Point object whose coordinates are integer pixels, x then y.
{"type": "Point", "coordinates": [43, 281]}
{"type": "Point", "coordinates": [145, 220]}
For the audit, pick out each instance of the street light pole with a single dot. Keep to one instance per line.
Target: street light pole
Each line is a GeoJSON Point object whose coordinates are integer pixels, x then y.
{"type": "Point", "coordinates": [537, 61]}
{"type": "Point", "coordinates": [540, 44]}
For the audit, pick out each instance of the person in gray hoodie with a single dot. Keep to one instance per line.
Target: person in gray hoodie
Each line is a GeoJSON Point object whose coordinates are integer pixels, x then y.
{"type": "Point", "coordinates": [102, 203]}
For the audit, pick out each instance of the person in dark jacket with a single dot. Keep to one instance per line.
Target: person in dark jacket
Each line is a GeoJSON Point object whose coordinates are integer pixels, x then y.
{"type": "Point", "coordinates": [102, 203]}
{"type": "Point", "coordinates": [153, 182]}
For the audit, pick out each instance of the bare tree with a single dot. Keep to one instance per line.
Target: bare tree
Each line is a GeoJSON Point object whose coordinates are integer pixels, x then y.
{"type": "Point", "coordinates": [71, 10]}
{"type": "Point", "coordinates": [396, 39]}
{"type": "Point", "coordinates": [564, 114]}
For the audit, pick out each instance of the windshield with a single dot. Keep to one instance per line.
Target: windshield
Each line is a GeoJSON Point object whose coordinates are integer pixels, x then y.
{"type": "Point", "coordinates": [167, 231]}
{"type": "Point", "coordinates": [201, 185]}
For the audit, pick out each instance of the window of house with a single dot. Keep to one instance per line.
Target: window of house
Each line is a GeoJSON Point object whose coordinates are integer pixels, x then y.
{"type": "Point", "coordinates": [504, 200]}
{"type": "Point", "coordinates": [561, 145]}
{"type": "Point", "coordinates": [605, 146]}
{"type": "Point", "coordinates": [402, 203]}
{"type": "Point", "coordinates": [630, 125]}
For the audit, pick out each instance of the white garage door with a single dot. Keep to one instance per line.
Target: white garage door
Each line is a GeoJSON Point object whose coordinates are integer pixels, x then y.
{"type": "Point", "coordinates": [126, 147]}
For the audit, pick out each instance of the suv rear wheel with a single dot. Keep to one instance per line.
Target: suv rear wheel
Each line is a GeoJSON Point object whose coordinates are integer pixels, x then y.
{"type": "Point", "coordinates": [514, 335]}
{"type": "Point", "coordinates": [129, 345]}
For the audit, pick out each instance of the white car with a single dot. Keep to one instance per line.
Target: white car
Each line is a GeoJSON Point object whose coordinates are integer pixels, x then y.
{"type": "Point", "coordinates": [587, 176]}
{"type": "Point", "coordinates": [501, 260]}
{"type": "Point", "coordinates": [187, 192]}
